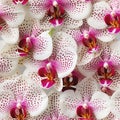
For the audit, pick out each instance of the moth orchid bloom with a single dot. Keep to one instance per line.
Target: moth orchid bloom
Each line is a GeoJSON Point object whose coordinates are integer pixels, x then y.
{"type": "Point", "coordinates": [59, 65]}
{"type": "Point", "coordinates": [106, 14]}
{"type": "Point", "coordinates": [10, 17]}
{"type": "Point", "coordinates": [88, 43]}
{"type": "Point", "coordinates": [56, 10]}
{"type": "Point", "coordinates": [105, 67]}
{"type": "Point", "coordinates": [70, 81]}
{"type": "Point", "coordinates": [20, 97]}
{"type": "Point", "coordinates": [33, 42]}
{"type": "Point", "coordinates": [53, 111]}
{"type": "Point", "coordinates": [23, 2]}
{"type": "Point", "coordinates": [86, 102]}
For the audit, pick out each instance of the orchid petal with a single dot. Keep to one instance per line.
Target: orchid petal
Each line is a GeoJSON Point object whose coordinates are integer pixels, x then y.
{"type": "Point", "coordinates": [101, 104]}
{"type": "Point", "coordinates": [87, 87]}
{"type": "Point", "coordinates": [9, 35]}
{"type": "Point", "coordinates": [7, 66]}
{"type": "Point", "coordinates": [69, 100]}
{"type": "Point", "coordinates": [67, 59]}
{"type": "Point", "coordinates": [105, 36]}
{"type": "Point", "coordinates": [37, 100]}
{"type": "Point", "coordinates": [115, 102]}
{"type": "Point", "coordinates": [79, 10]}
{"type": "Point", "coordinates": [5, 98]}
{"type": "Point", "coordinates": [37, 8]}
{"type": "Point", "coordinates": [96, 19]}
{"type": "Point", "coordinates": [43, 47]}
{"type": "Point", "coordinates": [14, 15]}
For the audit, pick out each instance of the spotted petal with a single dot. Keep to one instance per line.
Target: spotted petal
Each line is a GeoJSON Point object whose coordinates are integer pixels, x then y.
{"type": "Point", "coordinates": [69, 100]}
{"type": "Point", "coordinates": [96, 19]}
{"type": "Point", "coordinates": [37, 8]}
{"type": "Point", "coordinates": [9, 34]}
{"type": "Point", "coordinates": [5, 98]}
{"type": "Point", "coordinates": [115, 104]}
{"type": "Point", "coordinates": [37, 100]}
{"type": "Point", "coordinates": [79, 9]}
{"type": "Point", "coordinates": [43, 46]}
{"type": "Point", "coordinates": [7, 66]}
{"type": "Point", "coordinates": [101, 104]}
{"type": "Point", "coordinates": [67, 59]}
{"type": "Point", "coordinates": [14, 15]}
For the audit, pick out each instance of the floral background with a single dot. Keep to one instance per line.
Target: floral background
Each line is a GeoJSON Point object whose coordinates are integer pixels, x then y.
{"type": "Point", "coordinates": [59, 60]}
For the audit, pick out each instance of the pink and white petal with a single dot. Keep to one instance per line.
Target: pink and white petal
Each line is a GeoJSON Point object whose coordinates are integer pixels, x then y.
{"type": "Point", "coordinates": [90, 68]}
{"type": "Point", "coordinates": [116, 82]}
{"type": "Point", "coordinates": [43, 46]}
{"type": "Point", "coordinates": [115, 54]}
{"type": "Point", "coordinates": [7, 66]}
{"type": "Point", "coordinates": [101, 104]}
{"type": "Point", "coordinates": [69, 101]}
{"type": "Point", "coordinates": [115, 4]}
{"type": "Point", "coordinates": [36, 98]}
{"type": "Point", "coordinates": [96, 19]}
{"type": "Point", "coordinates": [53, 110]}
{"type": "Point", "coordinates": [67, 58]}
{"type": "Point", "coordinates": [84, 56]}
{"type": "Point", "coordinates": [14, 15]}
{"type": "Point", "coordinates": [115, 104]}
{"type": "Point", "coordinates": [105, 36]}
{"type": "Point", "coordinates": [37, 8]}
{"type": "Point", "coordinates": [29, 27]}
{"type": "Point", "coordinates": [63, 40]}
{"type": "Point", "coordinates": [9, 34]}
{"type": "Point", "coordinates": [17, 85]}
{"type": "Point", "coordinates": [10, 51]}
{"type": "Point", "coordinates": [80, 10]}
{"type": "Point", "coordinates": [5, 98]}
{"type": "Point", "coordinates": [71, 23]}
{"type": "Point", "coordinates": [58, 84]}
{"type": "Point", "coordinates": [87, 87]}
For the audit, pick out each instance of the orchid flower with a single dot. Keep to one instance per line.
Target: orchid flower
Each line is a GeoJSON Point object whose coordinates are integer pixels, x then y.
{"type": "Point", "coordinates": [106, 68]}
{"type": "Point", "coordinates": [106, 14]}
{"type": "Point", "coordinates": [32, 42]}
{"type": "Point", "coordinates": [86, 102]}
{"type": "Point", "coordinates": [59, 65]}
{"type": "Point", "coordinates": [19, 97]}
{"type": "Point", "coordinates": [56, 10]}
{"type": "Point", "coordinates": [89, 42]}
{"type": "Point", "coordinates": [53, 110]}
{"type": "Point", "coordinates": [10, 17]}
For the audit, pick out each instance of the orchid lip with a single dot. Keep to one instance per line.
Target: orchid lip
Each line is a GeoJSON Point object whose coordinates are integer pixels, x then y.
{"type": "Point", "coordinates": [48, 74]}
{"type": "Point", "coordinates": [85, 112]}
{"type": "Point", "coordinates": [90, 42]}
{"type": "Point", "coordinates": [106, 71]}
{"type": "Point", "coordinates": [56, 12]}
{"type": "Point", "coordinates": [18, 111]}
{"type": "Point", "coordinates": [25, 46]}
{"type": "Point", "coordinates": [113, 22]}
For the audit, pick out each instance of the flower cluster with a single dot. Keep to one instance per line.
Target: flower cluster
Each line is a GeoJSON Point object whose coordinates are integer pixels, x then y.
{"type": "Point", "coordinates": [59, 60]}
